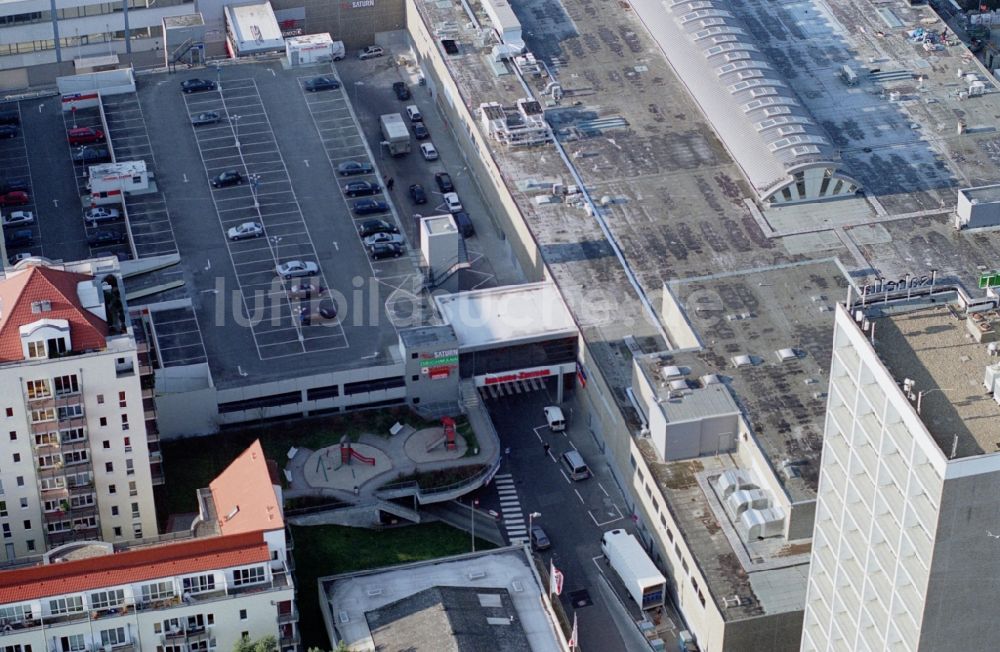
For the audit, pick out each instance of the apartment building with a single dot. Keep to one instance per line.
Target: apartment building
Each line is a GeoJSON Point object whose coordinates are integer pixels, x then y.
{"type": "Point", "coordinates": [78, 428]}
{"type": "Point", "coordinates": [905, 551]}
{"type": "Point", "coordinates": [226, 578]}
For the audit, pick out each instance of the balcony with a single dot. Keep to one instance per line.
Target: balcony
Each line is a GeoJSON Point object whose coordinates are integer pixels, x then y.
{"type": "Point", "coordinates": [124, 370]}
{"type": "Point", "coordinates": [289, 640]}
{"type": "Point", "coordinates": [288, 616]}
{"type": "Point", "coordinates": [39, 402]}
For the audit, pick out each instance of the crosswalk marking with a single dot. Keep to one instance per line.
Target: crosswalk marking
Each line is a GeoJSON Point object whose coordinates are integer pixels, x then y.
{"type": "Point", "coordinates": [510, 508]}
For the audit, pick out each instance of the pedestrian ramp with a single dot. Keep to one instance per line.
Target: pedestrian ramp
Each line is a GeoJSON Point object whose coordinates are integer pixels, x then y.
{"type": "Point", "coordinates": [510, 509]}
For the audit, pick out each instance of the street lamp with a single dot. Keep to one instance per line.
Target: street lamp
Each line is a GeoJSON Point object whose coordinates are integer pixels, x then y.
{"type": "Point", "coordinates": [357, 84]}
{"type": "Point", "coordinates": [254, 189]}
{"type": "Point", "coordinates": [218, 76]}
{"type": "Point", "coordinates": [531, 517]}
{"type": "Point", "coordinates": [472, 519]}
{"type": "Point", "coordinates": [235, 119]}
{"type": "Point", "coordinates": [920, 395]}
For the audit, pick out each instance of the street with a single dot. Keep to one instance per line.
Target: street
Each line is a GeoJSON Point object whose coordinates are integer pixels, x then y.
{"type": "Point", "coordinates": [573, 515]}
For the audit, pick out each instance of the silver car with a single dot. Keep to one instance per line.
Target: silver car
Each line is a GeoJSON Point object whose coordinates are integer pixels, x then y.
{"type": "Point", "coordinates": [383, 238]}
{"type": "Point", "coordinates": [101, 214]}
{"type": "Point", "coordinates": [297, 268]}
{"type": "Point", "coordinates": [370, 52]}
{"type": "Point", "coordinates": [19, 218]}
{"type": "Point", "coordinates": [245, 230]}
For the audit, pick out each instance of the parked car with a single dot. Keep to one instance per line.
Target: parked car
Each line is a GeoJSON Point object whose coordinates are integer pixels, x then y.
{"type": "Point", "coordinates": [361, 188]}
{"type": "Point", "coordinates": [206, 118]}
{"type": "Point", "coordinates": [539, 540]}
{"type": "Point", "coordinates": [322, 84]}
{"type": "Point", "coordinates": [15, 198]}
{"type": "Point", "coordinates": [106, 238]}
{"type": "Point", "coordinates": [428, 151]}
{"type": "Point", "coordinates": [386, 250]}
{"type": "Point", "coordinates": [19, 218]}
{"type": "Point", "coordinates": [245, 230]}
{"type": "Point", "coordinates": [452, 201]}
{"type": "Point", "coordinates": [420, 131]}
{"type": "Point", "coordinates": [195, 85]}
{"type": "Point", "coordinates": [351, 168]}
{"type": "Point", "coordinates": [369, 207]}
{"type": "Point", "coordinates": [413, 113]}
{"type": "Point", "coordinates": [8, 131]}
{"type": "Point", "coordinates": [227, 178]}
{"type": "Point", "coordinates": [464, 224]}
{"type": "Point", "coordinates": [443, 180]}
{"type": "Point", "coordinates": [16, 258]}
{"type": "Point", "coordinates": [417, 194]}
{"type": "Point", "coordinates": [383, 238]}
{"type": "Point", "coordinates": [100, 214]}
{"type": "Point", "coordinates": [10, 117]}
{"type": "Point", "coordinates": [306, 290]}
{"type": "Point", "coordinates": [370, 52]}
{"type": "Point", "coordinates": [297, 268]}
{"type": "Point", "coordinates": [369, 227]}
{"type": "Point", "coordinates": [325, 311]}
{"type": "Point", "coordinates": [401, 91]}
{"type": "Point", "coordinates": [6, 185]}
{"type": "Point", "coordinates": [88, 155]}
{"type": "Point", "coordinates": [84, 135]}
{"type": "Point", "coordinates": [19, 238]}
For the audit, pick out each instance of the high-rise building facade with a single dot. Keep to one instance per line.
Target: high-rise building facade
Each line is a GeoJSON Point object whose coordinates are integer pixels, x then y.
{"type": "Point", "coordinates": [906, 550]}
{"type": "Point", "coordinates": [75, 459]}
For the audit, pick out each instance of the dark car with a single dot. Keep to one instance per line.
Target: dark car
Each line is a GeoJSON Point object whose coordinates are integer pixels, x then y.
{"type": "Point", "coordinates": [370, 227]}
{"type": "Point", "coordinates": [322, 84]}
{"type": "Point", "coordinates": [369, 207]}
{"type": "Point", "coordinates": [539, 540]}
{"type": "Point", "coordinates": [193, 85]}
{"type": "Point", "coordinates": [87, 155]}
{"type": "Point", "coordinates": [15, 198]}
{"type": "Point", "coordinates": [443, 180]}
{"type": "Point", "coordinates": [385, 250]}
{"type": "Point", "coordinates": [227, 178]}
{"type": "Point", "coordinates": [10, 117]}
{"type": "Point", "coordinates": [8, 131]}
{"type": "Point", "coordinates": [464, 224]}
{"type": "Point", "coordinates": [361, 189]}
{"type": "Point", "coordinates": [351, 168]}
{"type": "Point", "coordinates": [7, 185]}
{"type": "Point", "coordinates": [206, 118]}
{"type": "Point", "coordinates": [401, 91]}
{"type": "Point", "coordinates": [106, 238]}
{"type": "Point", "coordinates": [417, 194]}
{"type": "Point", "coordinates": [19, 238]}
{"type": "Point", "coordinates": [420, 131]}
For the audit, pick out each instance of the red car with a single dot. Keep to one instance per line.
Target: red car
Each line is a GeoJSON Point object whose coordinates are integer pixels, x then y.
{"type": "Point", "coordinates": [84, 136]}
{"type": "Point", "coordinates": [15, 198]}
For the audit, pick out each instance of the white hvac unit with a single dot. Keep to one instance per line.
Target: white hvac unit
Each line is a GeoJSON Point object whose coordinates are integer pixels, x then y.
{"type": "Point", "coordinates": [744, 499]}
{"type": "Point", "coordinates": [992, 377]}
{"type": "Point", "coordinates": [670, 372]}
{"type": "Point", "coordinates": [710, 379]}
{"type": "Point", "coordinates": [763, 523]}
{"type": "Point", "coordinates": [732, 480]}
{"type": "Point", "coordinates": [678, 385]}
{"type": "Point", "coordinates": [784, 355]}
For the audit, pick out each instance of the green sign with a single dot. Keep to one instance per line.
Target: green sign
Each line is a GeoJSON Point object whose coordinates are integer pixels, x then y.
{"type": "Point", "coordinates": [990, 280]}
{"type": "Point", "coordinates": [437, 362]}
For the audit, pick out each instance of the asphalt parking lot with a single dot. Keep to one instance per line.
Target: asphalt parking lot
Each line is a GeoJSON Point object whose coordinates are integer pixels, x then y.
{"type": "Point", "coordinates": [15, 166]}
{"type": "Point", "coordinates": [250, 327]}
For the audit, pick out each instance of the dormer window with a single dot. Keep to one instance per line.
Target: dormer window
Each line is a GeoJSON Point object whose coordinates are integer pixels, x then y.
{"type": "Point", "coordinates": [50, 348]}
{"type": "Point", "coordinates": [36, 349]}
{"type": "Point", "coordinates": [45, 338]}
{"type": "Point", "coordinates": [41, 306]}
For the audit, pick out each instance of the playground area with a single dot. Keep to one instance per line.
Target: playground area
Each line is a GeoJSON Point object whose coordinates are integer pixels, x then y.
{"type": "Point", "coordinates": [353, 470]}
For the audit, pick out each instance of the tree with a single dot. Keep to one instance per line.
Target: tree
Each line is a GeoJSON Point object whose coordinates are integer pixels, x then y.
{"type": "Point", "coordinates": [264, 644]}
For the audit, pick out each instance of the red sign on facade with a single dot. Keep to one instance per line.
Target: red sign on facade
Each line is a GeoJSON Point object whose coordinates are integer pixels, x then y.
{"type": "Point", "coordinates": [520, 375]}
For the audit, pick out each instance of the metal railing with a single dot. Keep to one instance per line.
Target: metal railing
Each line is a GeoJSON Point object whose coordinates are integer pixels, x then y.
{"type": "Point", "coordinates": [412, 487]}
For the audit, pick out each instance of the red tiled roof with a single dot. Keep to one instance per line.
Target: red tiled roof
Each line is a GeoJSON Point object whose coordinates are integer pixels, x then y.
{"type": "Point", "coordinates": [39, 283]}
{"type": "Point", "coordinates": [140, 565]}
{"type": "Point", "coordinates": [244, 495]}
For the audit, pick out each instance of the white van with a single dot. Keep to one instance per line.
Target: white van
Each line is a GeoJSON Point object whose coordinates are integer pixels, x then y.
{"type": "Point", "coordinates": [413, 113]}
{"type": "Point", "coordinates": [554, 417]}
{"type": "Point", "coordinates": [575, 467]}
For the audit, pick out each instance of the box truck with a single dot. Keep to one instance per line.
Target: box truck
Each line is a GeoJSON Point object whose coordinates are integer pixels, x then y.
{"type": "Point", "coordinates": [395, 133]}
{"type": "Point", "coordinates": [645, 583]}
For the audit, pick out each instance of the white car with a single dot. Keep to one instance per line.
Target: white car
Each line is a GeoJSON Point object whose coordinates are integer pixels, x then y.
{"type": "Point", "coordinates": [429, 151]}
{"type": "Point", "coordinates": [100, 214]}
{"type": "Point", "coordinates": [297, 268]}
{"type": "Point", "coordinates": [383, 238]}
{"type": "Point", "coordinates": [452, 202]}
{"type": "Point", "coordinates": [19, 218]}
{"type": "Point", "coordinates": [245, 230]}
{"type": "Point", "coordinates": [16, 258]}
{"type": "Point", "coordinates": [370, 52]}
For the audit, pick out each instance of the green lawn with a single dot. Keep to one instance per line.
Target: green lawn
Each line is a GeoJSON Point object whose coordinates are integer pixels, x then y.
{"type": "Point", "coordinates": [330, 550]}
{"type": "Point", "coordinates": [190, 464]}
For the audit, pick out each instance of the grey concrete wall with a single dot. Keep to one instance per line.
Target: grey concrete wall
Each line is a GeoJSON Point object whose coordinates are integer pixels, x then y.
{"type": "Point", "coordinates": [355, 22]}
{"type": "Point", "coordinates": [960, 610]}
{"type": "Point", "coordinates": [777, 633]}
{"type": "Point", "coordinates": [420, 385]}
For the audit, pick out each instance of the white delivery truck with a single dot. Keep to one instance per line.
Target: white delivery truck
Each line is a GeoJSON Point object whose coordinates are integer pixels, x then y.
{"type": "Point", "coordinates": [395, 133]}
{"type": "Point", "coordinates": [645, 583]}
